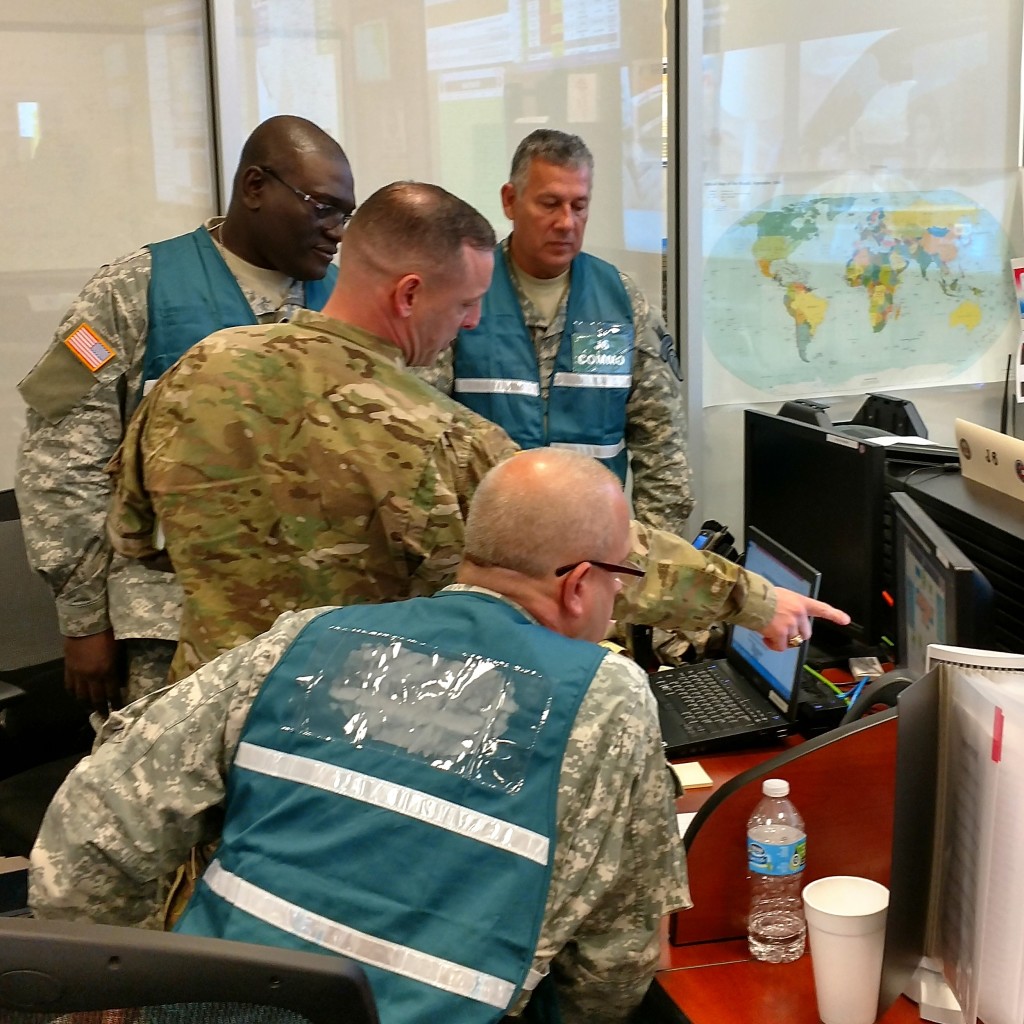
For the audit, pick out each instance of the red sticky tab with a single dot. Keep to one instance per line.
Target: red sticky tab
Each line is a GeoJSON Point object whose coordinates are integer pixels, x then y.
{"type": "Point", "coordinates": [997, 735]}
{"type": "Point", "coordinates": [89, 347]}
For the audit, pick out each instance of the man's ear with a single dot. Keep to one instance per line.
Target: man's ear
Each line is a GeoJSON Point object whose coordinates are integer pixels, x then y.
{"type": "Point", "coordinates": [406, 291]}
{"type": "Point", "coordinates": [253, 182]}
{"type": "Point", "coordinates": [508, 199]}
{"type": "Point", "coordinates": [571, 595]}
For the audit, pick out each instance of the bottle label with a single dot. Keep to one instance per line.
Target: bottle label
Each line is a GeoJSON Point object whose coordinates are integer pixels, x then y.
{"type": "Point", "coordinates": [776, 858]}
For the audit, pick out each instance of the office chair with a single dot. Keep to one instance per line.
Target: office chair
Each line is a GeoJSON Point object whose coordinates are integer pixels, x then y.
{"type": "Point", "coordinates": [43, 730]}
{"type": "Point", "coordinates": [70, 972]}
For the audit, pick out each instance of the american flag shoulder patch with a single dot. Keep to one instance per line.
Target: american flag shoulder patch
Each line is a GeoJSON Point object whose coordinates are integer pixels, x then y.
{"type": "Point", "coordinates": [89, 347]}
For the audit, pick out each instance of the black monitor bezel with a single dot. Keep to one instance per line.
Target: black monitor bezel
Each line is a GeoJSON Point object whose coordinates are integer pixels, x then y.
{"type": "Point", "coordinates": [969, 594]}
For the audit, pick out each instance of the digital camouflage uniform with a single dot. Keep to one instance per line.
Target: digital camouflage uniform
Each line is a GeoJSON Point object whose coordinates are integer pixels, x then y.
{"type": "Point", "coordinates": [132, 811]}
{"type": "Point", "coordinates": [655, 414]}
{"type": "Point", "coordinates": [75, 421]}
{"type": "Point", "coordinates": [302, 464]}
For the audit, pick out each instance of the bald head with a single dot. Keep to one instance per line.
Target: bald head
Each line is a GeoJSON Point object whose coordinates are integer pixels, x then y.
{"type": "Point", "coordinates": [542, 509]}
{"type": "Point", "coordinates": [282, 142]}
{"type": "Point", "coordinates": [291, 196]}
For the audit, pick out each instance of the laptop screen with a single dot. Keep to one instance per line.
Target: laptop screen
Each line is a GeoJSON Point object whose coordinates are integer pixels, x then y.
{"type": "Point", "coordinates": [778, 668]}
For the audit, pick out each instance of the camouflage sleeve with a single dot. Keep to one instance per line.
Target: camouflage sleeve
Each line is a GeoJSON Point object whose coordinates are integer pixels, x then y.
{"type": "Point", "coordinates": [619, 864]}
{"type": "Point", "coordinates": [75, 420]}
{"type": "Point", "coordinates": [464, 455]}
{"type": "Point", "coordinates": [656, 423]}
{"type": "Point", "coordinates": [686, 589]}
{"type": "Point", "coordinates": [441, 374]}
{"type": "Point", "coordinates": [129, 813]}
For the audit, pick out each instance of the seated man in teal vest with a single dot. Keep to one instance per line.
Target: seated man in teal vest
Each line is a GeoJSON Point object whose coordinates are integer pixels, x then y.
{"type": "Point", "coordinates": [465, 793]}
{"type": "Point", "coordinates": [568, 351]}
{"type": "Point", "coordinates": [269, 257]}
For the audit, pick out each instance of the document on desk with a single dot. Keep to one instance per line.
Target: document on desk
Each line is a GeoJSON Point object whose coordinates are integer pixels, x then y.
{"type": "Point", "coordinates": [975, 925]}
{"type": "Point", "coordinates": [691, 775]}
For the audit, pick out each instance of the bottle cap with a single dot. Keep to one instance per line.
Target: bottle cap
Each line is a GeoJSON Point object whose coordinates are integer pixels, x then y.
{"type": "Point", "coordinates": [775, 787]}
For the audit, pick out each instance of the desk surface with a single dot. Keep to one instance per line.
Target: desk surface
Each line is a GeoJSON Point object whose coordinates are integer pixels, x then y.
{"type": "Point", "coordinates": [717, 981]}
{"type": "Point", "coordinates": [724, 986]}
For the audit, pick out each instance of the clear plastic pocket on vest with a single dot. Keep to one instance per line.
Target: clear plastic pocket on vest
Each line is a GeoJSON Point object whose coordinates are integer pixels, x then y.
{"type": "Point", "coordinates": [464, 714]}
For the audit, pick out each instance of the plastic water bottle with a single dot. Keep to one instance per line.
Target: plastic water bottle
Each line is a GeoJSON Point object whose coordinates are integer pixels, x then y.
{"type": "Point", "coordinates": [776, 854]}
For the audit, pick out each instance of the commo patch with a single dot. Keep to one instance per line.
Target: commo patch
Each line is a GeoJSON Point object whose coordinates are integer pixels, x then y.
{"type": "Point", "coordinates": [88, 347]}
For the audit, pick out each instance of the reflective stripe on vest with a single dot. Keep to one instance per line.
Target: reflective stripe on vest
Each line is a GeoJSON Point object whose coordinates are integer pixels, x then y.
{"type": "Point", "coordinates": [496, 386]}
{"type": "Point", "coordinates": [483, 828]}
{"type": "Point", "coordinates": [591, 380]}
{"type": "Point", "coordinates": [367, 949]}
{"type": "Point", "coordinates": [595, 451]}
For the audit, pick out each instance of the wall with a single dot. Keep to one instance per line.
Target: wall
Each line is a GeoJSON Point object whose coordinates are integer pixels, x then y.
{"type": "Point", "coordinates": [850, 201]}
{"type": "Point", "coordinates": [121, 147]}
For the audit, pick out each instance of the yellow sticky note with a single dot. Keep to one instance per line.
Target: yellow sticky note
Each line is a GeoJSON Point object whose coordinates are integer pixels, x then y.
{"type": "Point", "coordinates": [691, 775]}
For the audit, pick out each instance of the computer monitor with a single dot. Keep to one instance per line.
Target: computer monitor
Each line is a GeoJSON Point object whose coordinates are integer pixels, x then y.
{"type": "Point", "coordinates": [988, 527]}
{"type": "Point", "coordinates": [822, 495]}
{"type": "Point", "coordinates": [941, 596]}
{"type": "Point", "coordinates": [780, 669]}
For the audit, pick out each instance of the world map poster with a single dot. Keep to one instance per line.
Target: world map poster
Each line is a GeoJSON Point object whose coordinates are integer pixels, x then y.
{"type": "Point", "coordinates": [831, 292]}
{"type": "Point", "coordinates": [861, 197]}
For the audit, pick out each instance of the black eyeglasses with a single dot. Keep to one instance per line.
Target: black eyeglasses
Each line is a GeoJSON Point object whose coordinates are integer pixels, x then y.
{"type": "Point", "coordinates": [328, 214]}
{"type": "Point", "coordinates": [612, 567]}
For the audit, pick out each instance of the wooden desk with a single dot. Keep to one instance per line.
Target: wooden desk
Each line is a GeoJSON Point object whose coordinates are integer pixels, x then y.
{"type": "Point", "coordinates": [724, 986]}
{"type": "Point", "coordinates": [844, 785]}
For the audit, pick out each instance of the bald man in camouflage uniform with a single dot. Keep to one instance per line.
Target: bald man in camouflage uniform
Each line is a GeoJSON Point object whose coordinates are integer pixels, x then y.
{"type": "Point", "coordinates": [159, 782]}
{"type": "Point", "coordinates": [639, 419]}
{"type": "Point", "coordinates": [261, 263]}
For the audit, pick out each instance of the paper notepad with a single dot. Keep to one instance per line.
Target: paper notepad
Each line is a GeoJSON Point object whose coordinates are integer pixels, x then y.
{"type": "Point", "coordinates": [691, 775]}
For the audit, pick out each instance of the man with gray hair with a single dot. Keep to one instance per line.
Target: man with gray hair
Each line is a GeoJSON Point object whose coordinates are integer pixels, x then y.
{"type": "Point", "coordinates": [484, 725]}
{"type": "Point", "coordinates": [568, 352]}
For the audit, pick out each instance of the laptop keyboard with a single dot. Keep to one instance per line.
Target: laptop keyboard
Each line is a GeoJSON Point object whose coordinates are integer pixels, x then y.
{"type": "Point", "coordinates": [704, 702]}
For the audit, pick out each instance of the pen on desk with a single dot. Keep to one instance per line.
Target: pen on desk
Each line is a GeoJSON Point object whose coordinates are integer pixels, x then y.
{"type": "Point", "coordinates": [821, 679]}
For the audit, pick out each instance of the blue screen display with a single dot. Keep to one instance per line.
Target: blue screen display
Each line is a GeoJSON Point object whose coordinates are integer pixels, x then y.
{"type": "Point", "coordinates": [779, 668]}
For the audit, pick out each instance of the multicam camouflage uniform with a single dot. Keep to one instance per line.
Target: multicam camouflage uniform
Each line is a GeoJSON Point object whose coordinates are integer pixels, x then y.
{"type": "Point", "coordinates": [134, 809]}
{"type": "Point", "coordinates": [75, 421]}
{"type": "Point", "coordinates": [655, 414]}
{"type": "Point", "coordinates": [301, 464]}
{"type": "Point", "coordinates": [296, 465]}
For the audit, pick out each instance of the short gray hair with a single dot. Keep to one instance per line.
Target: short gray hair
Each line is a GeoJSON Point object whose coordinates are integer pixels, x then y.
{"type": "Point", "coordinates": [552, 146]}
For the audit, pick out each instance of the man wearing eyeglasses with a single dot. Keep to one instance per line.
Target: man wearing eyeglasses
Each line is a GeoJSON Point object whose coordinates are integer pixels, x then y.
{"type": "Point", "coordinates": [271, 256]}
{"type": "Point", "coordinates": [484, 725]}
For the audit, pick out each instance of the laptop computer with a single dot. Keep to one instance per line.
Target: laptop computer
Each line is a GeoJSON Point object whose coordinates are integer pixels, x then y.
{"type": "Point", "coordinates": [991, 458]}
{"type": "Point", "coordinates": [753, 692]}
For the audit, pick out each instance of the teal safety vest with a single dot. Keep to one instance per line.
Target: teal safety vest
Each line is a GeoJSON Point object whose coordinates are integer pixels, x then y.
{"type": "Point", "coordinates": [496, 371]}
{"type": "Point", "coordinates": [394, 799]}
{"type": "Point", "coordinates": [193, 293]}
